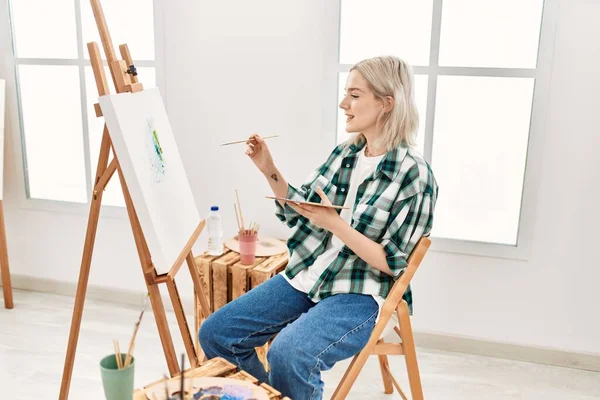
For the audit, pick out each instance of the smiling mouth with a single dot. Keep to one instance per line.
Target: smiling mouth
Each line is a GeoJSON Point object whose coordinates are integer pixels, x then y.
{"type": "Point", "coordinates": [349, 117]}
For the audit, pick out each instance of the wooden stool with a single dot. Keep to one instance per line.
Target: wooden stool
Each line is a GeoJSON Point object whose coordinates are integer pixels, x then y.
{"type": "Point", "coordinates": [227, 279]}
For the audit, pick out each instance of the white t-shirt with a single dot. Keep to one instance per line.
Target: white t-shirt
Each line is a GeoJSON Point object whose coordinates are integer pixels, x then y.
{"type": "Point", "coordinates": [307, 278]}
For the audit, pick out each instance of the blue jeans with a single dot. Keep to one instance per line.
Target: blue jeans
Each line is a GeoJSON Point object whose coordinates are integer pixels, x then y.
{"type": "Point", "coordinates": [311, 337]}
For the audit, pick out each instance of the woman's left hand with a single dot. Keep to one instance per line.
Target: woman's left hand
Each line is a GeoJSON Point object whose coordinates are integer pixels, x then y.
{"type": "Point", "coordinates": [323, 217]}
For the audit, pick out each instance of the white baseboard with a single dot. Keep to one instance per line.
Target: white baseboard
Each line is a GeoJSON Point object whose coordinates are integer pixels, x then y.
{"type": "Point", "coordinates": [100, 293]}
{"type": "Point", "coordinates": [539, 355]}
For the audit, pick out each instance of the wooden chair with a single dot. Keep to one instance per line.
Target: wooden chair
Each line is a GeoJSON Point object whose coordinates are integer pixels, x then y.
{"type": "Point", "coordinates": [376, 345]}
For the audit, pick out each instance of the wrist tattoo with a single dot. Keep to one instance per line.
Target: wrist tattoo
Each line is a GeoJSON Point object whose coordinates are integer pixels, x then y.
{"type": "Point", "coordinates": [274, 177]}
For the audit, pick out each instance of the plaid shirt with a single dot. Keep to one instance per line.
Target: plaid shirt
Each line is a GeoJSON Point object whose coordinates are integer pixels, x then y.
{"type": "Point", "coordinates": [394, 207]}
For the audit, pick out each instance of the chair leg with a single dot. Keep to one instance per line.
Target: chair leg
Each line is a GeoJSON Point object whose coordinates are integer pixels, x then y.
{"type": "Point", "coordinates": [410, 353]}
{"type": "Point", "coordinates": [261, 353]}
{"type": "Point", "coordinates": [397, 385]}
{"type": "Point", "coordinates": [385, 374]}
{"type": "Point", "coordinates": [351, 374]}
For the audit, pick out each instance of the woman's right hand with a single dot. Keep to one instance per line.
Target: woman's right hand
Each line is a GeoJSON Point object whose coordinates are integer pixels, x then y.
{"type": "Point", "coordinates": [259, 153]}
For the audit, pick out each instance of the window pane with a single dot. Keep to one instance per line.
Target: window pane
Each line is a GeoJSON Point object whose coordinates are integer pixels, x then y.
{"type": "Point", "coordinates": [421, 84]}
{"type": "Point", "coordinates": [479, 153]}
{"type": "Point", "coordinates": [478, 33]}
{"type": "Point", "coordinates": [51, 104]}
{"type": "Point", "coordinates": [129, 22]}
{"type": "Point", "coordinates": [44, 29]}
{"type": "Point", "coordinates": [380, 27]}
{"type": "Point", "coordinates": [113, 195]}
{"type": "Point", "coordinates": [421, 99]}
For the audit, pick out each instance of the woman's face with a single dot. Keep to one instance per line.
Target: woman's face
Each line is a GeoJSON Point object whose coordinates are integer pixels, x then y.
{"type": "Point", "coordinates": [360, 105]}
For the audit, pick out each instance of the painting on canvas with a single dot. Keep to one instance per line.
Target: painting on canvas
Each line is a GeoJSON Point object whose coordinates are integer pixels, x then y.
{"type": "Point", "coordinates": [2, 105]}
{"type": "Point", "coordinates": [147, 152]}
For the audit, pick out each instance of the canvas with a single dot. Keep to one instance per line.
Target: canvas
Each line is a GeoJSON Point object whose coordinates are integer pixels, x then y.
{"type": "Point", "coordinates": [147, 152]}
{"type": "Point", "coordinates": [2, 107]}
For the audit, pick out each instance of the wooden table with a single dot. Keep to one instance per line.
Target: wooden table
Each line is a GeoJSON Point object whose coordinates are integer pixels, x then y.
{"type": "Point", "coordinates": [217, 367]}
{"type": "Point", "coordinates": [227, 279]}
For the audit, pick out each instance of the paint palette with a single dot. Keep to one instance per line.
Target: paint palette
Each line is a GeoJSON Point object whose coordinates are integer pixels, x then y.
{"type": "Point", "coordinates": [209, 388]}
{"type": "Point", "coordinates": [310, 203]}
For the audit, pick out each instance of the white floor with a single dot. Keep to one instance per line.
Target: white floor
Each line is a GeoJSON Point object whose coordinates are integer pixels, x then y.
{"type": "Point", "coordinates": [33, 339]}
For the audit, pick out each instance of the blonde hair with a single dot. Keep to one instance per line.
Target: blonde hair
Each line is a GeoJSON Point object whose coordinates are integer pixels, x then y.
{"type": "Point", "coordinates": [390, 76]}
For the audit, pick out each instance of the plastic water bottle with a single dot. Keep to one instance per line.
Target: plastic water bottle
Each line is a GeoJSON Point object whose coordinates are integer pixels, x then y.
{"type": "Point", "coordinates": [215, 232]}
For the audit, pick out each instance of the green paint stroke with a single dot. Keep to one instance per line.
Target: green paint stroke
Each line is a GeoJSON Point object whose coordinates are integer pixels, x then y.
{"type": "Point", "coordinates": [157, 147]}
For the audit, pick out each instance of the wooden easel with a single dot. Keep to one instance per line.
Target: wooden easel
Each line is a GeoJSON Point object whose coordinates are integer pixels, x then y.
{"type": "Point", "coordinates": [125, 80]}
{"type": "Point", "coordinates": [4, 270]}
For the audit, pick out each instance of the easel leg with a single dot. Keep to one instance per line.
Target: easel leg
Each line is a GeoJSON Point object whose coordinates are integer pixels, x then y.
{"type": "Point", "coordinates": [201, 301]}
{"type": "Point", "coordinates": [197, 326]}
{"type": "Point", "coordinates": [163, 329]}
{"type": "Point", "coordinates": [199, 285]}
{"type": "Point", "coordinates": [84, 273]}
{"type": "Point", "coordinates": [84, 270]}
{"type": "Point", "coordinates": [5, 270]}
{"type": "Point", "coordinates": [201, 291]}
{"type": "Point", "coordinates": [157, 305]}
{"type": "Point", "coordinates": [182, 321]}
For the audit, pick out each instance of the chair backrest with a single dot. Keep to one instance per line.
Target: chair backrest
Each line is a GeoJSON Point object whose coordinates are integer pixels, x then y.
{"type": "Point", "coordinates": [390, 305]}
{"type": "Point", "coordinates": [395, 295]}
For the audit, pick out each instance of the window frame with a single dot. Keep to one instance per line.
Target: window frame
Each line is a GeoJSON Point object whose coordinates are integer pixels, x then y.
{"type": "Point", "coordinates": [532, 173]}
{"type": "Point", "coordinates": [14, 107]}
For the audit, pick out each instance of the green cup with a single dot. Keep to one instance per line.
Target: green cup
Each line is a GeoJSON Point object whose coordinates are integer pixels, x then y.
{"type": "Point", "coordinates": [118, 383]}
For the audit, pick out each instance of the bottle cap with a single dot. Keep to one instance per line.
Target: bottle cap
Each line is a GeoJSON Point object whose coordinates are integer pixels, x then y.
{"type": "Point", "coordinates": [214, 208]}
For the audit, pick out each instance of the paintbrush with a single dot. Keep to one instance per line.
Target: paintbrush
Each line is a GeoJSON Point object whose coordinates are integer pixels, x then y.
{"type": "Point", "coordinates": [118, 358]}
{"type": "Point", "coordinates": [135, 331]}
{"type": "Point", "coordinates": [240, 208]}
{"type": "Point", "coordinates": [245, 140]}
{"type": "Point", "coordinates": [182, 377]}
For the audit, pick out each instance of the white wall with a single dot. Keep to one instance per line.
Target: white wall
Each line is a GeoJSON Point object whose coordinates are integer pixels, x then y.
{"type": "Point", "coordinates": [550, 300]}
{"type": "Point", "coordinates": [237, 67]}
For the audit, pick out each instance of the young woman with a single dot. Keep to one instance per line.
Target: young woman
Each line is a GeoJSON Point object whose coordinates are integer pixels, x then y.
{"type": "Point", "coordinates": [324, 306]}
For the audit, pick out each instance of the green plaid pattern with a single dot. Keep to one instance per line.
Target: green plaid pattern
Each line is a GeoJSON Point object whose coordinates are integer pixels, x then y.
{"type": "Point", "coordinates": [394, 207]}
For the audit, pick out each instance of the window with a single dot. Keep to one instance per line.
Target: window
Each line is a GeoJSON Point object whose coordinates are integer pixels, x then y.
{"type": "Point", "coordinates": [56, 89]}
{"type": "Point", "coordinates": [476, 72]}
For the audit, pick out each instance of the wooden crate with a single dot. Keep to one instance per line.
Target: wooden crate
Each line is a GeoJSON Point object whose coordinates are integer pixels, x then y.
{"type": "Point", "coordinates": [227, 279]}
{"type": "Point", "coordinates": [217, 367]}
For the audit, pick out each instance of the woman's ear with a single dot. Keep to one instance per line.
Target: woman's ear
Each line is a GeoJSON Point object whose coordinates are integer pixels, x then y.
{"type": "Point", "coordinates": [388, 104]}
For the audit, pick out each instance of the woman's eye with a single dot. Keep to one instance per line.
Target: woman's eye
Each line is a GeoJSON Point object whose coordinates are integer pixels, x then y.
{"type": "Point", "coordinates": [354, 96]}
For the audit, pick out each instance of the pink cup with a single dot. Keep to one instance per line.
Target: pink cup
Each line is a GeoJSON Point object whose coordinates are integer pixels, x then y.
{"type": "Point", "coordinates": [248, 248]}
